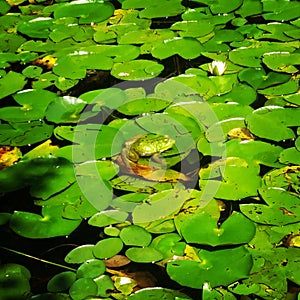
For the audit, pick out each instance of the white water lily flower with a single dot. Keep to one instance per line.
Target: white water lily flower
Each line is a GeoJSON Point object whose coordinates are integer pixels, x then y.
{"type": "Point", "coordinates": [217, 67]}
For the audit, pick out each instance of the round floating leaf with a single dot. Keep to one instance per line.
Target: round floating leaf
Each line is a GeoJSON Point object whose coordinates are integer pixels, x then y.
{"type": "Point", "coordinates": [14, 281]}
{"type": "Point", "coordinates": [108, 248]}
{"type": "Point", "coordinates": [87, 11]}
{"type": "Point", "coordinates": [36, 28]}
{"type": "Point", "coordinates": [158, 293]}
{"type": "Point", "coordinates": [218, 131]}
{"type": "Point", "coordinates": [108, 217]}
{"type": "Point", "coordinates": [169, 244]}
{"type": "Point", "coordinates": [143, 255]}
{"type": "Point", "coordinates": [145, 36]}
{"type": "Point", "coordinates": [135, 236]}
{"type": "Point", "coordinates": [219, 267]}
{"type": "Point", "coordinates": [83, 288]}
{"type": "Point", "coordinates": [65, 110]}
{"type": "Point", "coordinates": [155, 9]}
{"type": "Point", "coordinates": [193, 28]}
{"type": "Point", "coordinates": [282, 208]}
{"type": "Point", "coordinates": [282, 61]}
{"type": "Point", "coordinates": [188, 48]}
{"type": "Point", "coordinates": [282, 89]}
{"type": "Point", "coordinates": [233, 231]}
{"type": "Point", "coordinates": [50, 224]}
{"type": "Point", "coordinates": [290, 156]}
{"type": "Point", "coordinates": [61, 282]}
{"type": "Point", "coordinates": [163, 204]}
{"type": "Point", "coordinates": [222, 6]}
{"type": "Point", "coordinates": [255, 151]}
{"type": "Point", "coordinates": [272, 122]}
{"type": "Point", "coordinates": [139, 69]}
{"type": "Point", "coordinates": [11, 83]}
{"type": "Point", "coordinates": [91, 269]}
{"type": "Point", "coordinates": [23, 134]}
{"type": "Point", "coordinates": [278, 11]}
{"type": "Point", "coordinates": [105, 284]}
{"type": "Point", "coordinates": [80, 254]}
{"type": "Point", "coordinates": [239, 178]}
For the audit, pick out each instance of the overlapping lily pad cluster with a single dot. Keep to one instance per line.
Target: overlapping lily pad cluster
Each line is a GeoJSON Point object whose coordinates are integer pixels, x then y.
{"type": "Point", "coordinates": [231, 103]}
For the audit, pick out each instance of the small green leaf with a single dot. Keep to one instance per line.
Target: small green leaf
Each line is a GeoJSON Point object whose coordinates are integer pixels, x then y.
{"type": "Point", "coordinates": [11, 83]}
{"type": "Point", "coordinates": [135, 236]}
{"type": "Point", "coordinates": [83, 288]}
{"type": "Point", "coordinates": [61, 282]}
{"type": "Point", "coordinates": [108, 248]}
{"type": "Point", "coordinates": [91, 268]}
{"type": "Point", "coordinates": [143, 255]}
{"type": "Point", "coordinates": [80, 254]}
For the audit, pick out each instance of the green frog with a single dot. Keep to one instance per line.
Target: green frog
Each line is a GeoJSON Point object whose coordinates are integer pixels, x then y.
{"type": "Point", "coordinates": [145, 146]}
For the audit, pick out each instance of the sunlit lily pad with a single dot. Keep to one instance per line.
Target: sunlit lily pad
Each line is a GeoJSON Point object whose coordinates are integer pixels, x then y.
{"type": "Point", "coordinates": [135, 236]}
{"type": "Point", "coordinates": [192, 28]}
{"type": "Point", "coordinates": [80, 254]}
{"type": "Point", "coordinates": [36, 28]}
{"type": "Point", "coordinates": [235, 230]}
{"type": "Point", "coordinates": [49, 224]}
{"type": "Point", "coordinates": [82, 288]}
{"type": "Point", "coordinates": [187, 48]}
{"type": "Point", "coordinates": [273, 122]}
{"type": "Point", "coordinates": [136, 70]}
{"type": "Point", "coordinates": [87, 11]}
{"type": "Point", "coordinates": [239, 178]}
{"type": "Point", "coordinates": [219, 267]}
{"type": "Point", "coordinates": [107, 248]}
{"type": "Point", "coordinates": [91, 269]}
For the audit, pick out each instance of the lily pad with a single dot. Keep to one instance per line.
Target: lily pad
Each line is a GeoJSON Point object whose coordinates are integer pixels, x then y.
{"type": "Point", "coordinates": [91, 269]}
{"type": "Point", "coordinates": [273, 122]}
{"type": "Point", "coordinates": [135, 236]}
{"type": "Point", "coordinates": [239, 178]}
{"type": "Point", "coordinates": [80, 254]}
{"type": "Point", "coordinates": [83, 288]}
{"type": "Point", "coordinates": [11, 83]}
{"type": "Point", "coordinates": [281, 209]}
{"type": "Point", "coordinates": [49, 224]}
{"type": "Point", "coordinates": [234, 230]}
{"type": "Point", "coordinates": [139, 69]}
{"type": "Point", "coordinates": [107, 248]}
{"type": "Point", "coordinates": [186, 47]}
{"type": "Point", "coordinates": [87, 11]}
{"type": "Point", "coordinates": [143, 255]}
{"type": "Point", "coordinates": [219, 267]}
{"type": "Point", "coordinates": [61, 282]}
{"type": "Point", "coordinates": [14, 281]}
{"type": "Point", "coordinates": [158, 293]}
{"type": "Point", "coordinates": [36, 28]}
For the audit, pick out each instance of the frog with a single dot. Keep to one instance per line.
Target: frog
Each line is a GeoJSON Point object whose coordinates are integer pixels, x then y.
{"type": "Point", "coordinates": [145, 146]}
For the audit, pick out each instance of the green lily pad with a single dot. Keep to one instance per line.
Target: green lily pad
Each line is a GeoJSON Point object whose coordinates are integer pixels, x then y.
{"type": "Point", "coordinates": [91, 269]}
{"type": "Point", "coordinates": [49, 224]}
{"type": "Point", "coordinates": [283, 89]}
{"type": "Point", "coordinates": [169, 244]}
{"type": "Point", "coordinates": [163, 204]}
{"type": "Point", "coordinates": [65, 110]}
{"type": "Point", "coordinates": [139, 69]}
{"type": "Point", "coordinates": [61, 282]}
{"type": "Point", "coordinates": [188, 48]}
{"type": "Point", "coordinates": [135, 236]}
{"type": "Point", "coordinates": [14, 281]}
{"type": "Point", "coordinates": [80, 254]}
{"type": "Point", "coordinates": [143, 255]}
{"type": "Point", "coordinates": [278, 11]}
{"type": "Point", "coordinates": [281, 209]}
{"type": "Point", "coordinates": [155, 9]}
{"type": "Point", "coordinates": [273, 122]}
{"type": "Point", "coordinates": [83, 288]}
{"type": "Point", "coordinates": [219, 267]}
{"type": "Point", "coordinates": [87, 11]}
{"type": "Point", "coordinates": [290, 156]}
{"type": "Point", "coordinates": [239, 178]}
{"type": "Point", "coordinates": [158, 293]}
{"type": "Point", "coordinates": [105, 284]}
{"type": "Point", "coordinates": [192, 28]}
{"type": "Point", "coordinates": [108, 217]}
{"type": "Point", "coordinates": [145, 36]}
{"type": "Point", "coordinates": [36, 28]}
{"type": "Point", "coordinates": [107, 248]}
{"type": "Point", "coordinates": [234, 231]}
{"type": "Point", "coordinates": [218, 131]}
{"type": "Point", "coordinates": [23, 134]}
{"type": "Point", "coordinates": [255, 151]}
{"type": "Point", "coordinates": [32, 108]}
{"type": "Point", "coordinates": [11, 83]}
